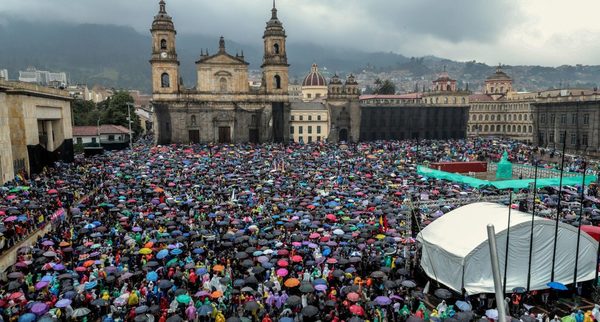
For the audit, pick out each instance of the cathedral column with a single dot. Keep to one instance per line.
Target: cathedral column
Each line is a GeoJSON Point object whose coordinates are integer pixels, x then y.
{"type": "Point", "coordinates": [49, 136]}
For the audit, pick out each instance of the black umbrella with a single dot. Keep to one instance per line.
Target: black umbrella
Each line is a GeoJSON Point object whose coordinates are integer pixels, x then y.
{"type": "Point", "coordinates": [141, 309]}
{"type": "Point", "coordinates": [175, 318]}
{"type": "Point", "coordinates": [306, 288]}
{"type": "Point", "coordinates": [293, 300]}
{"type": "Point", "coordinates": [99, 302]}
{"type": "Point", "coordinates": [251, 306]}
{"type": "Point", "coordinates": [310, 311]}
{"type": "Point", "coordinates": [164, 284]}
{"type": "Point", "coordinates": [442, 293]}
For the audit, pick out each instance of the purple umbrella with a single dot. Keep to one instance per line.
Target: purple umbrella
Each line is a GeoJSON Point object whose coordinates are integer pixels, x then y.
{"type": "Point", "coordinates": [136, 229]}
{"type": "Point", "coordinates": [59, 267]}
{"type": "Point", "coordinates": [383, 300]}
{"type": "Point", "coordinates": [321, 287]}
{"type": "Point", "coordinates": [39, 308]}
{"type": "Point", "coordinates": [40, 285]}
{"type": "Point", "coordinates": [63, 303]}
{"type": "Point", "coordinates": [48, 243]}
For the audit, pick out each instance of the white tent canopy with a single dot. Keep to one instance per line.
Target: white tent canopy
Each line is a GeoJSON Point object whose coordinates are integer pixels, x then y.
{"type": "Point", "coordinates": [456, 252]}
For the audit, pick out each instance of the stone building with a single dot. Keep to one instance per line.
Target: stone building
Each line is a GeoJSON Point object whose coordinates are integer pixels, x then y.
{"type": "Point", "coordinates": [35, 128]}
{"type": "Point", "coordinates": [314, 85]}
{"type": "Point", "coordinates": [221, 107]}
{"type": "Point", "coordinates": [501, 112]}
{"type": "Point", "coordinates": [344, 109]}
{"type": "Point", "coordinates": [570, 117]}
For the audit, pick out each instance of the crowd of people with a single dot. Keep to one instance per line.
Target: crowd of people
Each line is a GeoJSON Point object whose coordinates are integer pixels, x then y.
{"type": "Point", "coordinates": [266, 232]}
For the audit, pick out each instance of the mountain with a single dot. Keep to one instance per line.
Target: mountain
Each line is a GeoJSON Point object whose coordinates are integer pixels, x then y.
{"type": "Point", "coordinates": [117, 56]}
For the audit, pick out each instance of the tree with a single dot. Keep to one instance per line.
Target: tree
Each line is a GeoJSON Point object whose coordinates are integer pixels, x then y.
{"type": "Point", "coordinates": [384, 87]}
{"type": "Point", "coordinates": [84, 112]}
{"type": "Point", "coordinates": [115, 112]}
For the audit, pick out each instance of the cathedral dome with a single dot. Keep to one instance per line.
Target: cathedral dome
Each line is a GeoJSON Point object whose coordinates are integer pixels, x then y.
{"type": "Point", "coordinates": [314, 78]}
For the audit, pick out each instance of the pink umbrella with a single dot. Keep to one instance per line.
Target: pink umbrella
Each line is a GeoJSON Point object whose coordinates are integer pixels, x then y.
{"type": "Point", "coordinates": [282, 272]}
{"type": "Point", "coordinates": [11, 197]}
{"type": "Point", "coordinates": [10, 218]}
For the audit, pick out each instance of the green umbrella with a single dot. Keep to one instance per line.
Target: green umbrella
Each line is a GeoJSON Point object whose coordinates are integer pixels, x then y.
{"type": "Point", "coordinates": [172, 262]}
{"type": "Point", "coordinates": [184, 298]}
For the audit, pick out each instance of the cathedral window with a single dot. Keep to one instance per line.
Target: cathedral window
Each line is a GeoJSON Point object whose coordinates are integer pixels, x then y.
{"type": "Point", "coordinates": [223, 84]}
{"type": "Point", "coordinates": [276, 49]}
{"type": "Point", "coordinates": [193, 120]}
{"type": "Point", "coordinates": [163, 44]}
{"type": "Point", "coordinates": [164, 81]}
{"type": "Point", "coordinates": [277, 82]}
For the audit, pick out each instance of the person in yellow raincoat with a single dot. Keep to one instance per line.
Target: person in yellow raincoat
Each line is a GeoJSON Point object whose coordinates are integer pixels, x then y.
{"type": "Point", "coordinates": [133, 299]}
{"type": "Point", "coordinates": [219, 317]}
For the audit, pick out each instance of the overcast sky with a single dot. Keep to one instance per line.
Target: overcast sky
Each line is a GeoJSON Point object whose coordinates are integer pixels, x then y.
{"type": "Point", "coordinates": [541, 32]}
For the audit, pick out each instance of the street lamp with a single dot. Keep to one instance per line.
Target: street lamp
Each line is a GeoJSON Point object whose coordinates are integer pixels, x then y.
{"type": "Point", "coordinates": [129, 121]}
{"type": "Point", "coordinates": [98, 131]}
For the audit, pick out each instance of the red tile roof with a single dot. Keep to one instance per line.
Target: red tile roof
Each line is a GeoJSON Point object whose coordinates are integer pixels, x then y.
{"type": "Point", "coordinates": [104, 129]}
{"type": "Point", "coordinates": [479, 97]}
{"type": "Point", "coordinates": [401, 96]}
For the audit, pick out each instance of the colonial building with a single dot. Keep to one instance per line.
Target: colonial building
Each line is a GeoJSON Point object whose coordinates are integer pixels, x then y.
{"type": "Point", "coordinates": [444, 92]}
{"type": "Point", "coordinates": [314, 85]}
{"type": "Point", "coordinates": [35, 128]}
{"type": "Point", "coordinates": [501, 112]}
{"type": "Point", "coordinates": [221, 107]}
{"type": "Point", "coordinates": [570, 117]}
{"type": "Point", "coordinates": [344, 109]}
{"type": "Point", "coordinates": [109, 136]}
{"type": "Point", "coordinates": [309, 122]}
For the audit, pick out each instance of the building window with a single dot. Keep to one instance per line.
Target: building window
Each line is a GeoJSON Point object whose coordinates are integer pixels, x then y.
{"type": "Point", "coordinates": [543, 118]}
{"type": "Point", "coordinates": [79, 141]}
{"type": "Point", "coordinates": [552, 119]}
{"type": "Point", "coordinates": [551, 137]}
{"type": "Point", "coordinates": [518, 129]}
{"type": "Point", "coordinates": [318, 129]}
{"type": "Point", "coordinates": [223, 84]}
{"type": "Point", "coordinates": [300, 130]}
{"type": "Point", "coordinates": [573, 139]}
{"type": "Point", "coordinates": [498, 128]}
{"type": "Point", "coordinates": [276, 49]}
{"type": "Point", "coordinates": [584, 139]}
{"type": "Point", "coordinates": [562, 137]}
{"type": "Point", "coordinates": [309, 95]}
{"type": "Point", "coordinates": [193, 120]}
{"type": "Point", "coordinates": [317, 95]}
{"type": "Point", "coordinates": [111, 137]}
{"type": "Point", "coordinates": [277, 82]}
{"type": "Point", "coordinates": [530, 129]}
{"type": "Point", "coordinates": [318, 138]}
{"type": "Point", "coordinates": [291, 117]}
{"type": "Point", "coordinates": [563, 119]}
{"type": "Point", "coordinates": [573, 118]}
{"type": "Point", "coordinates": [485, 128]}
{"type": "Point", "coordinates": [310, 117]}
{"type": "Point", "coordinates": [93, 140]}
{"type": "Point", "coordinates": [163, 44]}
{"type": "Point", "coordinates": [309, 129]}
{"type": "Point", "coordinates": [586, 119]}
{"type": "Point", "coordinates": [164, 81]}
{"type": "Point", "coordinates": [541, 138]}
{"type": "Point", "coordinates": [318, 117]}
{"type": "Point", "coordinates": [301, 117]}
{"type": "Point", "coordinates": [309, 138]}
{"type": "Point", "coordinates": [291, 130]}
{"type": "Point", "coordinates": [480, 117]}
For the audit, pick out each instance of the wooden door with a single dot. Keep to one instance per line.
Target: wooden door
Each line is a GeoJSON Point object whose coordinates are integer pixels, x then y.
{"type": "Point", "coordinates": [224, 134]}
{"type": "Point", "coordinates": [194, 136]}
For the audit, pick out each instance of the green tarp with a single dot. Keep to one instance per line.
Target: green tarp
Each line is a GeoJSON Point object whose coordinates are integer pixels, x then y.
{"type": "Point", "coordinates": [504, 184]}
{"type": "Point", "coordinates": [504, 170]}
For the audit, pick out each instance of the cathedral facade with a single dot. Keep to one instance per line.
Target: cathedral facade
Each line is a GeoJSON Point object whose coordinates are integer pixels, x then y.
{"type": "Point", "coordinates": [222, 107]}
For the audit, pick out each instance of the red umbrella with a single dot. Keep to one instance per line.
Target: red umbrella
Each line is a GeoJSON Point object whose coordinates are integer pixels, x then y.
{"type": "Point", "coordinates": [15, 295]}
{"type": "Point", "coordinates": [357, 310]}
{"type": "Point", "coordinates": [282, 263]}
{"type": "Point", "coordinates": [296, 258]}
{"type": "Point", "coordinates": [353, 296]}
{"type": "Point", "coordinates": [314, 236]}
{"type": "Point", "coordinates": [330, 217]}
{"type": "Point", "coordinates": [52, 191]}
{"type": "Point", "coordinates": [331, 261]}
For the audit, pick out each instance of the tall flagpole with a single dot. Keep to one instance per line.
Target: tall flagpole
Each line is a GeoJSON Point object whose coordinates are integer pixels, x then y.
{"type": "Point", "coordinates": [579, 226]}
{"type": "Point", "coordinates": [507, 242]}
{"type": "Point", "coordinates": [532, 221]}
{"type": "Point", "coordinates": [558, 208]}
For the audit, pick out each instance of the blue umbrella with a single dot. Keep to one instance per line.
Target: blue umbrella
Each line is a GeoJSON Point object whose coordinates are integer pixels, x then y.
{"type": "Point", "coordinates": [162, 254]}
{"type": "Point", "coordinates": [27, 317]}
{"type": "Point", "coordinates": [198, 251]}
{"type": "Point", "coordinates": [152, 276]}
{"type": "Point", "coordinates": [201, 271]}
{"type": "Point", "coordinates": [557, 286]}
{"type": "Point", "coordinates": [91, 285]}
{"type": "Point", "coordinates": [176, 251]}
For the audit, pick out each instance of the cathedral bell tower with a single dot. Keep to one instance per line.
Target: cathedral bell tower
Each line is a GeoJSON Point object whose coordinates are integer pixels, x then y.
{"type": "Point", "coordinates": [275, 66]}
{"type": "Point", "coordinates": [165, 66]}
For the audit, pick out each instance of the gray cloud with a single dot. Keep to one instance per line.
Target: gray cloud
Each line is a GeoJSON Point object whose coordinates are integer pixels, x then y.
{"type": "Point", "coordinates": [457, 29]}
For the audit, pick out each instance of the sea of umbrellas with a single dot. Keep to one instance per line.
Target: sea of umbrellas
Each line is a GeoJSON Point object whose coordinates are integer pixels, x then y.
{"type": "Point", "coordinates": [234, 233]}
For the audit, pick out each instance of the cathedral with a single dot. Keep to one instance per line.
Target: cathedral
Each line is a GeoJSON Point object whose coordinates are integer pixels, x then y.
{"type": "Point", "coordinates": [222, 107]}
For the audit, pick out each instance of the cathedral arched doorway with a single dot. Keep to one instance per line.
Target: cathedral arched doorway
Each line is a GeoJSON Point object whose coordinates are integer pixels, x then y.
{"type": "Point", "coordinates": [343, 135]}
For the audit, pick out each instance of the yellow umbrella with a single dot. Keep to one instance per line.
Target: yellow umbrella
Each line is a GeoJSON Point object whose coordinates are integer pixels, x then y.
{"type": "Point", "coordinates": [380, 236]}
{"type": "Point", "coordinates": [145, 251]}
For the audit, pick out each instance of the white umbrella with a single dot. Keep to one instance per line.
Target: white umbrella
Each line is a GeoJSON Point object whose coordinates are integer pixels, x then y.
{"type": "Point", "coordinates": [80, 311]}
